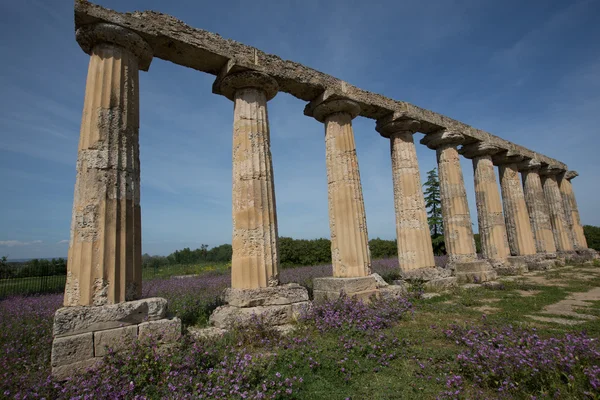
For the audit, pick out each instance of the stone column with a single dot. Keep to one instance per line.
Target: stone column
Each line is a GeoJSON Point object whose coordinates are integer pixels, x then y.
{"type": "Point", "coordinates": [571, 210]}
{"type": "Point", "coordinates": [492, 230]}
{"type": "Point", "coordinates": [104, 262]}
{"type": "Point", "coordinates": [458, 231]}
{"type": "Point", "coordinates": [412, 230]}
{"type": "Point", "coordinates": [560, 227]}
{"type": "Point", "coordinates": [104, 270]}
{"type": "Point", "coordinates": [518, 226]}
{"type": "Point", "coordinates": [539, 215]}
{"type": "Point", "coordinates": [350, 253]}
{"type": "Point", "coordinates": [255, 261]}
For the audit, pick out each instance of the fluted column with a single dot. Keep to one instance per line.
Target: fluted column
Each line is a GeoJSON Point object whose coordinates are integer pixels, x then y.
{"type": "Point", "coordinates": [104, 261]}
{"type": "Point", "coordinates": [412, 230]}
{"type": "Point", "coordinates": [539, 214]}
{"type": "Point", "coordinates": [571, 210]}
{"type": "Point", "coordinates": [518, 225]}
{"type": "Point", "coordinates": [255, 261]}
{"type": "Point", "coordinates": [560, 227]}
{"type": "Point", "coordinates": [458, 232]}
{"type": "Point", "coordinates": [347, 220]}
{"type": "Point", "coordinates": [492, 229]}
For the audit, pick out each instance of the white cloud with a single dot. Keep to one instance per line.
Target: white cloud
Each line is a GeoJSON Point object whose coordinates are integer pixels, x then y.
{"type": "Point", "coordinates": [63, 241]}
{"type": "Point", "coordinates": [13, 243]}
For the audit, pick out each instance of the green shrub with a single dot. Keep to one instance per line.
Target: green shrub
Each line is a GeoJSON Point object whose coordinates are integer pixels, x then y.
{"type": "Point", "coordinates": [592, 235]}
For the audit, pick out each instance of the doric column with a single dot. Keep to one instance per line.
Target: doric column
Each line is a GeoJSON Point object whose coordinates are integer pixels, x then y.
{"type": "Point", "coordinates": [560, 227]}
{"type": "Point", "coordinates": [412, 230]}
{"type": "Point", "coordinates": [571, 210]}
{"type": "Point", "coordinates": [539, 215]}
{"type": "Point", "coordinates": [492, 229]}
{"type": "Point", "coordinates": [347, 220]}
{"type": "Point", "coordinates": [458, 232]}
{"type": "Point", "coordinates": [518, 226]}
{"type": "Point", "coordinates": [255, 261]}
{"type": "Point", "coordinates": [104, 264]}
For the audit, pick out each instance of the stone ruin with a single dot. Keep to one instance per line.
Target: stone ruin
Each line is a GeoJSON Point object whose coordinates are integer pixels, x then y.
{"type": "Point", "coordinates": [532, 223]}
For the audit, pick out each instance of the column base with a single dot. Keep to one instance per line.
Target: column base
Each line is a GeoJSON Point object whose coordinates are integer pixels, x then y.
{"type": "Point", "coordinates": [474, 272]}
{"type": "Point", "coordinates": [330, 288]}
{"type": "Point", "coordinates": [274, 306]}
{"type": "Point", "coordinates": [434, 278]}
{"type": "Point", "coordinates": [83, 334]}
{"type": "Point", "coordinates": [588, 254]}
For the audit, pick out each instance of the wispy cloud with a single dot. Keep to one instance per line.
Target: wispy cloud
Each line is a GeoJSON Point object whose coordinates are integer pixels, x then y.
{"type": "Point", "coordinates": [13, 243]}
{"type": "Point", "coordinates": [66, 241]}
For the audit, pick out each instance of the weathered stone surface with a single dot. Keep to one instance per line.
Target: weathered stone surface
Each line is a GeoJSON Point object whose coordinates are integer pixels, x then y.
{"type": "Point", "coordinates": [544, 265]}
{"type": "Point", "coordinates": [173, 40]}
{"type": "Point", "coordinates": [412, 230]}
{"type": "Point", "coordinates": [562, 235]}
{"type": "Point", "coordinates": [320, 296]}
{"type": "Point", "coordinates": [427, 296]}
{"type": "Point", "coordinates": [393, 291]}
{"type": "Point", "coordinates": [458, 231]}
{"type": "Point", "coordinates": [537, 207]}
{"type": "Point", "coordinates": [255, 261]}
{"type": "Point", "coordinates": [206, 333]}
{"type": "Point", "coordinates": [63, 372]}
{"type": "Point", "coordinates": [426, 274]}
{"type": "Point", "coordinates": [225, 317]}
{"type": "Point", "coordinates": [518, 225]}
{"type": "Point", "coordinates": [347, 285]}
{"type": "Point", "coordinates": [72, 320]}
{"type": "Point", "coordinates": [441, 283]}
{"type": "Point", "coordinates": [571, 209]}
{"type": "Point", "coordinates": [347, 219]}
{"type": "Point", "coordinates": [276, 295]}
{"type": "Point", "coordinates": [474, 272]}
{"type": "Point", "coordinates": [116, 339]}
{"type": "Point", "coordinates": [493, 285]}
{"type": "Point", "coordinates": [72, 349]}
{"type": "Point", "coordinates": [163, 330]}
{"type": "Point", "coordinates": [514, 265]}
{"type": "Point", "coordinates": [381, 283]}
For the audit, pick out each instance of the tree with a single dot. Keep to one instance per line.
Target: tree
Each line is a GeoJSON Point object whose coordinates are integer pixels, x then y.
{"type": "Point", "coordinates": [592, 236]}
{"type": "Point", "coordinates": [433, 204]}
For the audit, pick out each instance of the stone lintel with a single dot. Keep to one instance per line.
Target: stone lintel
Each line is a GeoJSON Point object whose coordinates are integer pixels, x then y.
{"type": "Point", "coordinates": [479, 149]}
{"type": "Point", "coordinates": [507, 157]}
{"type": "Point", "coordinates": [89, 36]}
{"type": "Point", "coordinates": [570, 175]}
{"type": "Point", "coordinates": [394, 122]}
{"type": "Point", "coordinates": [173, 40]}
{"type": "Point", "coordinates": [443, 137]}
{"type": "Point", "coordinates": [227, 83]}
{"type": "Point", "coordinates": [530, 164]}
{"type": "Point", "coordinates": [325, 105]}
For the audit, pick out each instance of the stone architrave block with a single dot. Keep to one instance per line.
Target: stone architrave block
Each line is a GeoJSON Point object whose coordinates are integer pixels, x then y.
{"type": "Point", "coordinates": [350, 286]}
{"type": "Point", "coordinates": [269, 296]}
{"type": "Point", "coordinates": [116, 339]}
{"type": "Point", "coordinates": [80, 319]}
{"type": "Point", "coordinates": [164, 330]}
{"type": "Point", "coordinates": [71, 349]}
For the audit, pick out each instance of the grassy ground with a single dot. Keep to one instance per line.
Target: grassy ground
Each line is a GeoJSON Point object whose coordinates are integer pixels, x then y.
{"type": "Point", "coordinates": [185, 269]}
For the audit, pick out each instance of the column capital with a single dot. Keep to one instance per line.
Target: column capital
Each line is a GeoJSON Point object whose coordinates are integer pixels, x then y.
{"type": "Point", "coordinates": [228, 84]}
{"type": "Point", "coordinates": [529, 164]}
{"type": "Point", "coordinates": [443, 137]}
{"type": "Point", "coordinates": [393, 123]}
{"type": "Point", "coordinates": [321, 110]}
{"type": "Point", "coordinates": [507, 156]}
{"type": "Point", "coordinates": [89, 36]}
{"type": "Point", "coordinates": [550, 170]}
{"type": "Point", "coordinates": [478, 149]}
{"type": "Point", "coordinates": [570, 175]}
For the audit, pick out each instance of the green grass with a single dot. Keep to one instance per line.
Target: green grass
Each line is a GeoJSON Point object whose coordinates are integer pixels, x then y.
{"type": "Point", "coordinates": [31, 285]}
{"type": "Point", "coordinates": [185, 269]}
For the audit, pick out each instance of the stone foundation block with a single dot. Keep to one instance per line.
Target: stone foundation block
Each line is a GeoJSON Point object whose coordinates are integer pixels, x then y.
{"type": "Point", "coordinates": [474, 272]}
{"type": "Point", "coordinates": [80, 319]}
{"type": "Point", "coordinates": [116, 339]}
{"type": "Point", "coordinates": [71, 349]}
{"type": "Point", "coordinates": [226, 317]}
{"type": "Point", "coordinates": [62, 372]}
{"type": "Point", "coordinates": [164, 330]}
{"type": "Point", "coordinates": [512, 266]}
{"type": "Point", "coordinates": [441, 283]}
{"type": "Point", "coordinates": [426, 274]}
{"type": "Point", "coordinates": [544, 265]}
{"type": "Point", "coordinates": [269, 296]}
{"type": "Point", "coordinates": [380, 282]}
{"type": "Point", "coordinates": [330, 288]}
{"type": "Point", "coordinates": [393, 291]}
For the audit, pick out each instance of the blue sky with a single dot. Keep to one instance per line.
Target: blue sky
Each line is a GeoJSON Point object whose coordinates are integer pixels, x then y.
{"type": "Point", "coordinates": [526, 71]}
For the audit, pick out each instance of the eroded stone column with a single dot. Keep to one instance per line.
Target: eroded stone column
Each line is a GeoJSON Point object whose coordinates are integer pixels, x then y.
{"type": "Point", "coordinates": [571, 210]}
{"type": "Point", "coordinates": [104, 262]}
{"type": "Point", "coordinates": [539, 215]}
{"type": "Point", "coordinates": [458, 232]}
{"type": "Point", "coordinates": [492, 229]}
{"type": "Point", "coordinates": [412, 230]}
{"type": "Point", "coordinates": [347, 220]}
{"type": "Point", "coordinates": [560, 226]}
{"type": "Point", "coordinates": [255, 260]}
{"type": "Point", "coordinates": [518, 226]}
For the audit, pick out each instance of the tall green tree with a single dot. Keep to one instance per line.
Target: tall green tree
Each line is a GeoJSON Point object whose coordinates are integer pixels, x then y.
{"type": "Point", "coordinates": [433, 203]}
